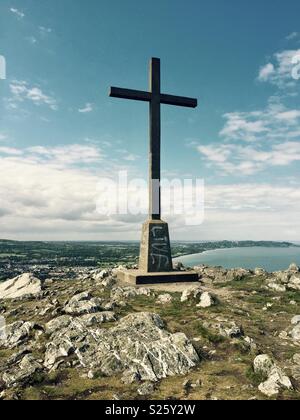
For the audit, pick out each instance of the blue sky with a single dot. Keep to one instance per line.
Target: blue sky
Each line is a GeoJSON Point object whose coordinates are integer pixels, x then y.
{"type": "Point", "coordinates": [59, 131]}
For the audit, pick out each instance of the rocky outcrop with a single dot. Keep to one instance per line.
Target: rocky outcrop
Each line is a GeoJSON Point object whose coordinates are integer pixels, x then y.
{"type": "Point", "coordinates": [22, 286]}
{"type": "Point", "coordinates": [276, 379]}
{"type": "Point", "coordinates": [221, 275]}
{"type": "Point", "coordinates": [295, 333]}
{"type": "Point", "coordinates": [19, 333]}
{"type": "Point", "coordinates": [23, 372]}
{"type": "Point", "coordinates": [128, 292]}
{"type": "Point", "coordinates": [83, 303]}
{"type": "Point", "coordinates": [281, 281]}
{"type": "Point", "coordinates": [139, 342]}
{"type": "Point", "coordinates": [192, 292]}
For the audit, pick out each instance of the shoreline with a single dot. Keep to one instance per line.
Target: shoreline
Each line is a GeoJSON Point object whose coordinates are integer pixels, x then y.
{"type": "Point", "coordinates": [236, 247]}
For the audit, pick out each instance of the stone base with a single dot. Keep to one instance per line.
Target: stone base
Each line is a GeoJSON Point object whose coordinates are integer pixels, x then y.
{"type": "Point", "coordinates": [155, 254]}
{"type": "Point", "coordinates": [137, 277]}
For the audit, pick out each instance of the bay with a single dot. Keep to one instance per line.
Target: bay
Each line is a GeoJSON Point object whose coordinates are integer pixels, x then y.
{"type": "Point", "coordinates": [271, 259]}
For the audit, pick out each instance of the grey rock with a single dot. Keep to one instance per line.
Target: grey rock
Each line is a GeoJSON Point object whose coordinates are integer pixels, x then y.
{"type": "Point", "coordinates": [276, 378]}
{"type": "Point", "coordinates": [263, 364]}
{"type": "Point", "coordinates": [58, 324]}
{"type": "Point", "coordinates": [128, 292]}
{"type": "Point", "coordinates": [295, 333]}
{"type": "Point", "coordinates": [295, 320]}
{"type": "Point", "coordinates": [147, 388]}
{"type": "Point", "coordinates": [260, 272]}
{"type": "Point", "coordinates": [25, 285]}
{"type": "Point", "coordinates": [232, 330]}
{"type": "Point", "coordinates": [294, 268]}
{"type": "Point", "coordinates": [18, 333]}
{"type": "Point", "coordinates": [83, 303]}
{"type": "Point", "coordinates": [237, 274]}
{"type": "Point", "coordinates": [277, 287]}
{"type": "Point", "coordinates": [178, 266]}
{"type": "Point", "coordinates": [23, 373]}
{"type": "Point", "coordinates": [138, 342]}
{"type": "Point", "coordinates": [206, 300]}
{"type": "Point", "coordinates": [130, 377]}
{"type": "Point", "coordinates": [294, 283]}
{"type": "Point", "coordinates": [192, 292]}
{"type": "Point", "coordinates": [165, 299]}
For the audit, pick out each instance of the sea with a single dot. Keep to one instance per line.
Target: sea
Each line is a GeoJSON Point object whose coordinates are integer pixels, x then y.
{"type": "Point", "coordinates": [271, 259]}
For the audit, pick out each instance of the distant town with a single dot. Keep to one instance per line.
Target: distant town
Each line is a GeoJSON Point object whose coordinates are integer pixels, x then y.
{"type": "Point", "coordinates": [73, 259]}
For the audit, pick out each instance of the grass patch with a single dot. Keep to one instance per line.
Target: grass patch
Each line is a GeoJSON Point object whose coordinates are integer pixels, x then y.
{"type": "Point", "coordinates": [255, 378]}
{"type": "Point", "coordinates": [208, 335]}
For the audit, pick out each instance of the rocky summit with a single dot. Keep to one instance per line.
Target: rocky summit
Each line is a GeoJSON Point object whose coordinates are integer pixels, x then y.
{"type": "Point", "coordinates": [233, 335]}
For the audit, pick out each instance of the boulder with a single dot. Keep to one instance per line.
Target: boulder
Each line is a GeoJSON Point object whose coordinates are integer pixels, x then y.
{"type": "Point", "coordinates": [83, 303]}
{"type": "Point", "coordinates": [18, 333]}
{"type": "Point", "coordinates": [263, 364]}
{"type": "Point", "coordinates": [277, 287]}
{"type": "Point", "coordinates": [192, 292]}
{"type": "Point", "coordinates": [294, 268]}
{"type": "Point", "coordinates": [294, 283]}
{"type": "Point", "coordinates": [237, 274]}
{"type": "Point", "coordinates": [58, 324]}
{"type": "Point", "coordinates": [295, 333]}
{"type": "Point", "coordinates": [214, 274]}
{"type": "Point", "coordinates": [25, 285]}
{"type": "Point", "coordinates": [206, 300]}
{"type": "Point", "coordinates": [276, 381]}
{"type": "Point", "coordinates": [88, 320]}
{"type": "Point", "coordinates": [22, 373]}
{"type": "Point", "coordinates": [260, 272]}
{"type": "Point", "coordinates": [164, 299]}
{"type": "Point", "coordinates": [139, 343]}
{"type": "Point", "coordinates": [232, 330]}
{"type": "Point", "coordinates": [295, 320]}
{"type": "Point", "coordinates": [129, 292]}
{"type": "Point", "coordinates": [178, 266]}
{"type": "Point", "coordinates": [147, 388]}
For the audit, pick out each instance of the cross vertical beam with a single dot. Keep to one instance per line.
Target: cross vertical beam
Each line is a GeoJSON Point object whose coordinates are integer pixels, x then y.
{"type": "Point", "coordinates": [155, 141]}
{"type": "Point", "coordinates": [155, 99]}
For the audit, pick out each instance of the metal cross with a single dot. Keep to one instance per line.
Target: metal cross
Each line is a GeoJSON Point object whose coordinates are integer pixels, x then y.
{"type": "Point", "coordinates": [155, 99]}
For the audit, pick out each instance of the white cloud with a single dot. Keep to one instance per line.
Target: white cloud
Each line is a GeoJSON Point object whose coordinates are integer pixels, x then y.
{"type": "Point", "coordinates": [10, 151]}
{"type": "Point", "coordinates": [233, 159]}
{"type": "Point", "coordinates": [86, 109]}
{"type": "Point", "coordinates": [292, 36]}
{"type": "Point", "coordinates": [70, 154]}
{"type": "Point", "coordinates": [44, 31]}
{"type": "Point", "coordinates": [21, 91]}
{"type": "Point", "coordinates": [47, 197]}
{"type": "Point", "coordinates": [280, 73]}
{"type": "Point", "coordinates": [274, 123]}
{"type": "Point", "coordinates": [266, 72]}
{"type": "Point", "coordinates": [17, 12]}
{"type": "Point", "coordinates": [3, 137]}
{"type": "Point", "coordinates": [131, 157]}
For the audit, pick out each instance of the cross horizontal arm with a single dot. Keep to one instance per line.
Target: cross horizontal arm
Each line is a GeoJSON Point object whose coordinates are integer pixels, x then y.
{"type": "Point", "coordinates": [136, 95]}
{"type": "Point", "coordinates": [179, 101]}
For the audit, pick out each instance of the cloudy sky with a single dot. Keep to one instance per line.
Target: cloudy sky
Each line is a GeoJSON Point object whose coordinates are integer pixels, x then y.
{"type": "Point", "coordinates": [60, 133]}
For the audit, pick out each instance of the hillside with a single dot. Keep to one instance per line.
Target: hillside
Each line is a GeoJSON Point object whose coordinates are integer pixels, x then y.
{"type": "Point", "coordinates": [235, 335]}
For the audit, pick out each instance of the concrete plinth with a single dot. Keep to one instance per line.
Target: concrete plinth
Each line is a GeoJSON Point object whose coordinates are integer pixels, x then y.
{"type": "Point", "coordinates": [155, 254]}
{"type": "Point", "coordinates": [138, 277]}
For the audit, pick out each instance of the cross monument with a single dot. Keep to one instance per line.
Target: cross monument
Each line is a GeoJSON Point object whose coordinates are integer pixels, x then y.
{"type": "Point", "coordinates": [155, 264]}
